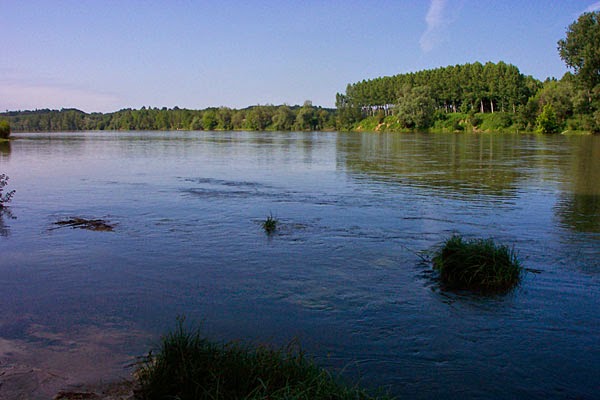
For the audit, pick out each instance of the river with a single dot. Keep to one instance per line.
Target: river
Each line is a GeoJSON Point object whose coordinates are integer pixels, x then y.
{"type": "Point", "coordinates": [344, 272]}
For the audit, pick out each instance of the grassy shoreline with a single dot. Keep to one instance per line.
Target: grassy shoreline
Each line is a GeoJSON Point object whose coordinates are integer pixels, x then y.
{"type": "Point", "coordinates": [187, 365]}
{"type": "Point", "coordinates": [457, 123]}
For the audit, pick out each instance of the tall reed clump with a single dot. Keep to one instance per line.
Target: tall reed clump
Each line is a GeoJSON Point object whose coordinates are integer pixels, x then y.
{"type": "Point", "coordinates": [189, 366]}
{"type": "Point", "coordinates": [477, 264]}
{"type": "Point", "coordinates": [270, 224]}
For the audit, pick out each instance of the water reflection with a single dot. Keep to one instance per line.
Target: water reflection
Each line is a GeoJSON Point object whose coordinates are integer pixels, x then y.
{"type": "Point", "coordinates": [5, 214]}
{"type": "Point", "coordinates": [454, 165]}
{"type": "Point", "coordinates": [342, 273]}
{"type": "Point", "coordinates": [486, 167]}
{"type": "Point", "coordinates": [578, 207]}
{"type": "Point", "coordinates": [580, 212]}
{"type": "Point", "coordinates": [5, 149]}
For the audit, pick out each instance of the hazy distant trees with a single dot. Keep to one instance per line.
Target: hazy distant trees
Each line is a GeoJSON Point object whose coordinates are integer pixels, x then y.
{"type": "Point", "coordinates": [260, 117]}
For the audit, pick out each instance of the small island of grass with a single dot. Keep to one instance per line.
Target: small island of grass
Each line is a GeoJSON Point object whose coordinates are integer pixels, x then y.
{"type": "Point", "coordinates": [477, 264]}
{"type": "Point", "coordinates": [270, 224]}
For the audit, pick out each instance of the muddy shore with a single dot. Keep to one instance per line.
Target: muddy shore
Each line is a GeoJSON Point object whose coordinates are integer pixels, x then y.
{"type": "Point", "coordinates": [86, 363]}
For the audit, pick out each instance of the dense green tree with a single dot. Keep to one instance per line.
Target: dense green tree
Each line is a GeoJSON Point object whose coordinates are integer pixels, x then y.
{"type": "Point", "coordinates": [209, 120]}
{"type": "Point", "coordinates": [305, 118]}
{"type": "Point", "coordinates": [560, 95]}
{"type": "Point", "coordinates": [546, 121]}
{"type": "Point", "coordinates": [416, 108]}
{"type": "Point", "coordinates": [484, 88]}
{"type": "Point", "coordinates": [224, 115]}
{"type": "Point", "coordinates": [580, 50]}
{"type": "Point", "coordinates": [238, 118]}
{"type": "Point", "coordinates": [283, 119]}
{"type": "Point", "coordinates": [258, 118]}
{"type": "Point", "coordinates": [347, 113]}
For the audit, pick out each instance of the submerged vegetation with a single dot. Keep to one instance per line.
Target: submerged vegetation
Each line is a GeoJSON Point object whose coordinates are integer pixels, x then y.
{"type": "Point", "coordinates": [189, 366]}
{"type": "Point", "coordinates": [98, 225]}
{"type": "Point", "coordinates": [270, 224]}
{"type": "Point", "coordinates": [477, 264]}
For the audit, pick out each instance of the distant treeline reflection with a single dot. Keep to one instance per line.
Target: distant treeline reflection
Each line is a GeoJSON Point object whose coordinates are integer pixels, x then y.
{"type": "Point", "coordinates": [487, 166]}
{"type": "Point", "coordinates": [460, 165]}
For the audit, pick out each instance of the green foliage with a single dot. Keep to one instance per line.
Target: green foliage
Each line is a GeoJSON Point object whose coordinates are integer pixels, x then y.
{"type": "Point", "coordinates": [580, 50]}
{"type": "Point", "coordinates": [475, 119]}
{"type": "Point", "coordinates": [209, 120]}
{"type": "Point", "coordinates": [496, 122]}
{"type": "Point", "coordinates": [270, 224]}
{"type": "Point", "coordinates": [283, 119]}
{"type": "Point", "coordinates": [546, 122]}
{"type": "Point", "coordinates": [306, 118]}
{"type": "Point", "coordinates": [258, 118]}
{"type": "Point", "coordinates": [560, 95]}
{"type": "Point", "coordinates": [451, 122]}
{"type": "Point", "coordinates": [477, 264]}
{"type": "Point", "coordinates": [348, 113]}
{"type": "Point", "coordinates": [416, 108]}
{"type": "Point", "coordinates": [6, 197]}
{"type": "Point", "coordinates": [268, 117]}
{"type": "Point", "coordinates": [4, 129]}
{"type": "Point", "coordinates": [478, 87]}
{"type": "Point", "coordinates": [189, 366]}
{"type": "Point", "coordinates": [368, 124]}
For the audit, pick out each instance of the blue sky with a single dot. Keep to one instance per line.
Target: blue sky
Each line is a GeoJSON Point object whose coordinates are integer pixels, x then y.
{"type": "Point", "coordinates": [107, 55]}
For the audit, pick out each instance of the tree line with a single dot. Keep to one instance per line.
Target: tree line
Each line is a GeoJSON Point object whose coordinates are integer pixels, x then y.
{"type": "Point", "coordinates": [477, 87]}
{"type": "Point", "coordinates": [472, 96]}
{"type": "Point", "coordinates": [467, 96]}
{"type": "Point", "coordinates": [261, 117]}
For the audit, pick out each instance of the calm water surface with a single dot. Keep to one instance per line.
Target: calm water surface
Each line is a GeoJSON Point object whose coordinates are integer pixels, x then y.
{"type": "Point", "coordinates": [342, 274]}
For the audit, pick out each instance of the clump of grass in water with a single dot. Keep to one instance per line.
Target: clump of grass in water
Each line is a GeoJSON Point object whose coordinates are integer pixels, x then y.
{"type": "Point", "coordinates": [189, 366]}
{"type": "Point", "coordinates": [477, 264]}
{"type": "Point", "coordinates": [270, 224]}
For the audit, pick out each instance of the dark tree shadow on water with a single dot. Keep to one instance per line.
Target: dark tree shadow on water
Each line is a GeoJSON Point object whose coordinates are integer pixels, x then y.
{"type": "Point", "coordinates": [5, 214]}
{"type": "Point", "coordinates": [5, 149]}
{"type": "Point", "coordinates": [5, 198]}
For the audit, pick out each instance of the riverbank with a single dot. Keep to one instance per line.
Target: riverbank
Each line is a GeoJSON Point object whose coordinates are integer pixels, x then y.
{"type": "Point", "coordinates": [40, 363]}
{"type": "Point", "coordinates": [498, 122]}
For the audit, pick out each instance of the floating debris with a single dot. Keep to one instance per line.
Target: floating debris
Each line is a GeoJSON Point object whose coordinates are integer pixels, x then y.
{"type": "Point", "coordinates": [99, 225]}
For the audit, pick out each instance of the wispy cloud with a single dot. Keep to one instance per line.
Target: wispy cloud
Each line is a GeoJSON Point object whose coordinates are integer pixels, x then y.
{"type": "Point", "coordinates": [436, 22]}
{"type": "Point", "coordinates": [593, 7]}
